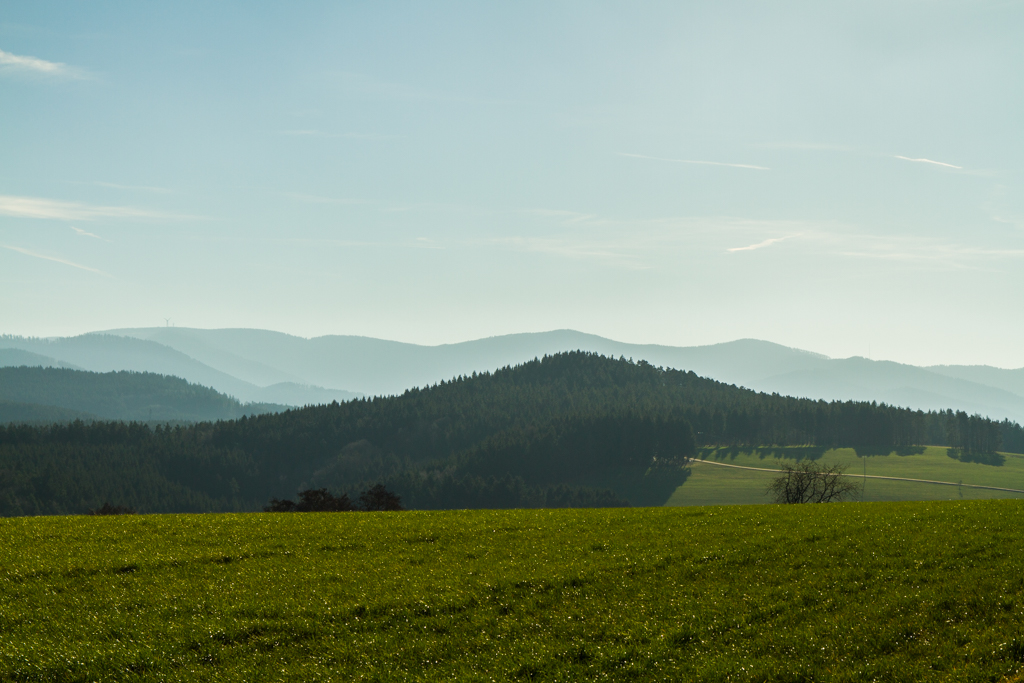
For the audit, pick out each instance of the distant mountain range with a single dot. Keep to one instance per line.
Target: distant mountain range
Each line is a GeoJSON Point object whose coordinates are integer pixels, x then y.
{"type": "Point", "coordinates": [109, 353]}
{"type": "Point", "coordinates": [272, 367]}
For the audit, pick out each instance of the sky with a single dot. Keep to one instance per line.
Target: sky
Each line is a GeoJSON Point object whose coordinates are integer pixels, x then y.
{"type": "Point", "coordinates": [839, 177]}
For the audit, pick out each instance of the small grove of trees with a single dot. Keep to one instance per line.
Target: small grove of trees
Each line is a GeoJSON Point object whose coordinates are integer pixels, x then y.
{"type": "Point", "coordinates": [375, 499]}
{"type": "Point", "coordinates": [970, 434]}
{"type": "Point", "coordinates": [809, 482]}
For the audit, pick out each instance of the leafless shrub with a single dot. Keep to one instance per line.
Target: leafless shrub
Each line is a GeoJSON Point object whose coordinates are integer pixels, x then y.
{"type": "Point", "coordinates": [809, 482]}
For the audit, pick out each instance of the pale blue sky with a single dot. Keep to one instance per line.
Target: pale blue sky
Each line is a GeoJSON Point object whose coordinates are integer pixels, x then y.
{"type": "Point", "coordinates": [833, 176]}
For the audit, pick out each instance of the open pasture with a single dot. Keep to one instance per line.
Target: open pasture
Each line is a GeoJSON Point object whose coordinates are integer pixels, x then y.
{"type": "Point", "coordinates": [842, 592]}
{"type": "Point", "coordinates": [710, 484]}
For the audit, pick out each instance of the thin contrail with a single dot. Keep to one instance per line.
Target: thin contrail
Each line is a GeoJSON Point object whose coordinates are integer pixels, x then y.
{"type": "Point", "coordinates": [927, 161]}
{"type": "Point", "coordinates": [759, 245]}
{"type": "Point", "coordinates": [53, 258]}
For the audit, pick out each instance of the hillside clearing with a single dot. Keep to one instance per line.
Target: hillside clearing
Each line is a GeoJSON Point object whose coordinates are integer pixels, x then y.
{"type": "Point", "coordinates": [711, 485]}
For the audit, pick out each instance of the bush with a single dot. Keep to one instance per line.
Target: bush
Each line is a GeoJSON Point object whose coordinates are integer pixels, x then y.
{"type": "Point", "coordinates": [375, 499]}
{"type": "Point", "coordinates": [312, 500]}
{"type": "Point", "coordinates": [809, 482]}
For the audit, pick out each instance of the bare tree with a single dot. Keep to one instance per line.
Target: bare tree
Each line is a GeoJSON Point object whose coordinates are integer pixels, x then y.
{"type": "Point", "coordinates": [809, 482]}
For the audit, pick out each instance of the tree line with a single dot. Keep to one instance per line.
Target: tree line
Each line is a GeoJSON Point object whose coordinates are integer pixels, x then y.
{"type": "Point", "coordinates": [570, 429]}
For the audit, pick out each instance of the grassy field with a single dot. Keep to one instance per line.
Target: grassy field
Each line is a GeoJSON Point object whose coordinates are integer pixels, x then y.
{"type": "Point", "coordinates": [709, 484]}
{"type": "Point", "coordinates": [843, 592]}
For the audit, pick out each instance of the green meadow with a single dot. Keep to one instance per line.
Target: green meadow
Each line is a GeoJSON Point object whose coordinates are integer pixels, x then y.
{"type": "Point", "coordinates": [918, 591]}
{"type": "Point", "coordinates": [711, 484]}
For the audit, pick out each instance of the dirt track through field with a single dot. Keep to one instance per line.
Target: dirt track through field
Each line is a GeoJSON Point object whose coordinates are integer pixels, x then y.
{"type": "Point", "coordinates": [861, 476]}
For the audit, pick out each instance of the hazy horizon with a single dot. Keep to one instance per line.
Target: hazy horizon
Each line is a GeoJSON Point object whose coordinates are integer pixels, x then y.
{"type": "Point", "coordinates": [495, 336]}
{"type": "Point", "coordinates": [840, 178]}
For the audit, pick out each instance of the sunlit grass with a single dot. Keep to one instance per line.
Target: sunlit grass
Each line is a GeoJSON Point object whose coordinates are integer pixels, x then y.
{"type": "Point", "coordinates": [712, 485]}
{"type": "Point", "coordinates": [847, 592]}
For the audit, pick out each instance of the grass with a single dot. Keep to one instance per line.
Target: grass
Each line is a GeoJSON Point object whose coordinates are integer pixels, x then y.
{"type": "Point", "coordinates": [713, 485]}
{"type": "Point", "coordinates": [842, 592]}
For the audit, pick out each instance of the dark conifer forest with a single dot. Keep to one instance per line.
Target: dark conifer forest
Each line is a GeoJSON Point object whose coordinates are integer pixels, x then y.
{"type": "Point", "coordinates": [570, 430]}
{"type": "Point", "coordinates": [46, 394]}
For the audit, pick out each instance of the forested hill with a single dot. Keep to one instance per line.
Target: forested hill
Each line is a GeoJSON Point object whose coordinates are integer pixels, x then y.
{"type": "Point", "coordinates": [570, 429]}
{"type": "Point", "coordinates": [30, 394]}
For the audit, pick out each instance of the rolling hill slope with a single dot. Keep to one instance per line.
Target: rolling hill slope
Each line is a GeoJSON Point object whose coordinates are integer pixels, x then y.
{"type": "Point", "coordinates": [16, 357]}
{"type": "Point", "coordinates": [376, 367]}
{"type": "Point", "coordinates": [573, 430]}
{"type": "Point", "coordinates": [36, 394]}
{"type": "Point", "coordinates": [112, 353]}
{"type": "Point", "coordinates": [264, 366]}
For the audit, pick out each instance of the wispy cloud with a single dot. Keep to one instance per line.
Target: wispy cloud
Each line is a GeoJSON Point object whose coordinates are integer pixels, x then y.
{"type": "Point", "coordinates": [760, 245]}
{"type": "Point", "coordinates": [614, 251]}
{"type": "Point", "coordinates": [810, 146]}
{"type": "Point", "coordinates": [943, 254]}
{"type": "Point", "coordinates": [694, 161]}
{"type": "Point", "coordinates": [1015, 221]}
{"type": "Point", "coordinates": [846, 149]}
{"type": "Point", "coordinates": [310, 132]}
{"type": "Point", "coordinates": [927, 161]}
{"type": "Point", "coordinates": [911, 250]}
{"type": "Point", "coordinates": [642, 244]}
{"type": "Point", "coordinates": [55, 259]}
{"type": "Point", "coordinates": [565, 216]}
{"type": "Point", "coordinates": [36, 207]}
{"type": "Point", "coordinates": [34, 65]}
{"type": "Point", "coordinates": [83, 233]}
{"type": "Point", "coordinates": [440, 207]}
{"type": "Point", "coordinates": [143, 188]}
{"type": "Point", "coordinates": [316, 199]}
{"type": "Point", "coordinates": [365, 86]}
{"type": "Point", "coordinates": [656, 243]}
{"type": "Point", "coordinates": [417, 243]}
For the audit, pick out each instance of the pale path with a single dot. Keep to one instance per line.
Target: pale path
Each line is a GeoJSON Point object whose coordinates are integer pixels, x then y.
{"type": "Point", "coordinates": [861, 476]}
